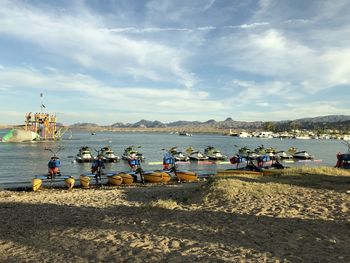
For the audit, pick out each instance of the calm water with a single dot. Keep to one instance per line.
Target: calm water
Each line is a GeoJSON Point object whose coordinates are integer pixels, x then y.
{"type": "Point", "coordinates": [20, 162]}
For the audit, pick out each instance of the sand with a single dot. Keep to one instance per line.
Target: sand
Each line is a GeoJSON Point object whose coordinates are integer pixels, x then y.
{"type": "Point", "coordinates": [238, 219]}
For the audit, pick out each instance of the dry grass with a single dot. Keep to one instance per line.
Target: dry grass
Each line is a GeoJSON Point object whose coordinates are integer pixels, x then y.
{"type": "Point", "coordinates": [323, 170]}
{"type": "Point", "coordinates": [229, 187]}
{"type": "Point", "coordinates": [258, 187]}
{"type": "Point", "coordinates": [164, 203]}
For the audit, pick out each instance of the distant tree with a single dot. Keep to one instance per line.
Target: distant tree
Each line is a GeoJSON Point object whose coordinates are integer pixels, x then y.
{"type": "Point", "coordinates": [269, 126]}
{"type": "Point", "coordinates": [294, 126]}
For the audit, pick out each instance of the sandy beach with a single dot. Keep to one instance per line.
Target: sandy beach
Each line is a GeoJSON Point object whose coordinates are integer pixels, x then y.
{"type": "Point", "coordinates": [241, 218]}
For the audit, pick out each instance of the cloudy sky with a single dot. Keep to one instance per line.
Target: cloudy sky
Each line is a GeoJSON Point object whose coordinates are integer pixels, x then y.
{"type": "Point", "coordinates": [125, 60]}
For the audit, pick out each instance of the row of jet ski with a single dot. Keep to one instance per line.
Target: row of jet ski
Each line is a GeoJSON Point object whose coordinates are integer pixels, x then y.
{"type": "Point", "coordinates": [107, 154]}
{"type": "Point", "coordinates": [290, 154]}
{"type": "Point", "coordinates": [210, 153]}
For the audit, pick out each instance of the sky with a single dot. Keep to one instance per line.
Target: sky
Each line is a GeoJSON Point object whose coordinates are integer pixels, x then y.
{"type": "Point", "coordinates": [125, 60]}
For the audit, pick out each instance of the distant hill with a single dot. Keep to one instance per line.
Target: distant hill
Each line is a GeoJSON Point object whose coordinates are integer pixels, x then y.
{"type": "Point", "coordinates": [84, 125]}
{"type": "Point", "coordinates": [321, 122]}
{"type": "Point", "coordinates": [326, 119]}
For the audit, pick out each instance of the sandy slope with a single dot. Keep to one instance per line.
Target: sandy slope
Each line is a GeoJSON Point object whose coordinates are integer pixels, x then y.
{"type": "Point", "coordinates": [233, 220]}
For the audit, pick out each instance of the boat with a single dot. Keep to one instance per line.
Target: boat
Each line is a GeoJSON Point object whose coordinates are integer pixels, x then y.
{"type": "Point", "coordinates": [196, 155]}
{"type": "Point", "coordinates": [283, 155]}
{"type": "Point", "coordinates": [178, 155]}
{"type": "Point", "coordinates": [108, 155]}
{"type": "Point", "coordinates": [302, 137]}
{"type": "Point", "coordinates": [186, 176]}
{"type": "Point", "coordinates": [131, 153]}
{"type": "Point", "coordinates": [302, 155]}
{"type": "Point", "coordinates": [114, 179]}
{"type": "Point", "coordinates": [18, 135]}
{"type": "Point", "coordinates": [214, 154]}
{"type": "Point", "coordinates": [84, 155]}
{"type": "Point", "coordinates": [185, 133]}
{"type": "Point", "coordinates": [242, 134]}
{"type": "Point", "coordinates": [244, 152]}
{"type": "Point", "coordinates": [271, 152]}
{"type": "Point", "coordinates": [38, 126]}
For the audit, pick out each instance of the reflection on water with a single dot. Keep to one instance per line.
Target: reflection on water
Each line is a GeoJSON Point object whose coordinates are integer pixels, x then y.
{"type": "Point", "coordinates": [20, 162]}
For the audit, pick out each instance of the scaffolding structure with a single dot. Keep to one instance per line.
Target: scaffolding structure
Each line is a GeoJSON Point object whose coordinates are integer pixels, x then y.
{"type": "Point", "coordinates": [45, 125]}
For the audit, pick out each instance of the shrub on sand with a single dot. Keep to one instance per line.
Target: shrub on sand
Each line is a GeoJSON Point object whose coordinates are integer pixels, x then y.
{"type": "Point", "coordinates": [229, 188]}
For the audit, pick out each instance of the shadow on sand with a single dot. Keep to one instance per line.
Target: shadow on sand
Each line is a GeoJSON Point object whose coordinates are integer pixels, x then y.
{"type": "Point", "coordinates": [57, 231]}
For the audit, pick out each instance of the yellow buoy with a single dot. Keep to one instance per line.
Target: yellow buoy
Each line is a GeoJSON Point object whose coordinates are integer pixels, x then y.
{"type": "Point", "coordinates": [126, 178]}
{"type": "Point", "coordinates": [115, 179]}
{"type": "Point", "coordinates": [36, 184]}
{"type": "Point", "coordinates": [153, 177]}
{"type": "Point", "coordinates": [186, 176]}
{"type": "Point", "coordinates": [84, 181]}
{"type": "Point", "coordinates": [165, 177]}
{"type": "Point", "coordinates": [70, 182]}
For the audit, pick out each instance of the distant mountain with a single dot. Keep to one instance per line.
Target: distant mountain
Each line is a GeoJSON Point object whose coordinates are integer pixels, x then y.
{"type": "Point", "coordinates": [325, 119]}
{"type": "Point", "coordinates": [84, 125]}
{"type": "Point", "coordinates": [183, 123]}
{"type": "Point", "coordinates": [321, 122]}
{"type": "Point", "coordinates": [148, 124]}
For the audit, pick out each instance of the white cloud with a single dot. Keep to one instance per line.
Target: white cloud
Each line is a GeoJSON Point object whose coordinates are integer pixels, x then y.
{"type": "Point", "coordinates": [163, 54]}
{"type": "Point", "coordinates": [271, 53]}
{"type": "Point", "coordinates": [253, 25]}
{"type": "Point", "coordinates": [84, 40]}
{"type": "Point", "coordinates": [93, 93]}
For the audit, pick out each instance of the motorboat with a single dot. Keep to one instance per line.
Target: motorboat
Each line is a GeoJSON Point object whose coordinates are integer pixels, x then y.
{"type": "Point", "coordinates": [185, 133]}
{"type": "Point", "coordinates": [214, 154]}
{"type": "Point", "coordinates": [196, 155]}
{"type": "Point", "coordinates": [302, 155]}
{"type": "Point", "coordinates": [283, 155]}
{"type": "Point", "coordinates": [244, 152]}
{"type": "Point", "coordinates": [270, 151]}
{"type": "Point", "coordinates": [131, 153]}
{"type": "Point", "coordinates": [84, 155]}
{"type": "Point", "coordinates": [178, 155]}
{"type": "Point", "coordinates": [108, 155]}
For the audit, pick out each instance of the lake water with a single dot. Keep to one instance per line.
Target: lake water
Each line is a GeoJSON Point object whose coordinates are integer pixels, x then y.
{"type": "Point", "coordinates": [20, 162]}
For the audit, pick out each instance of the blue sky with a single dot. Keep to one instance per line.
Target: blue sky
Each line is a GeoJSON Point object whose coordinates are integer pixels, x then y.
{"type": "Point", "coordinates": [122, 61]}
